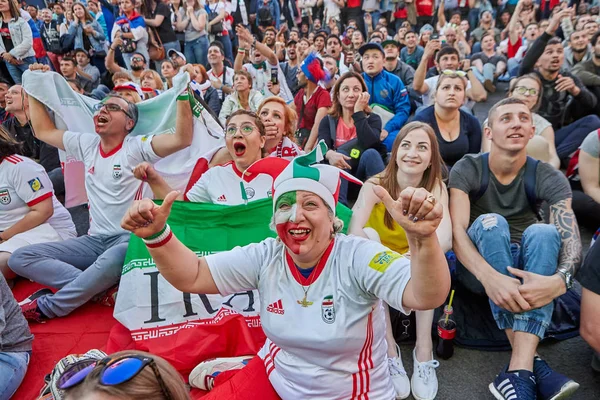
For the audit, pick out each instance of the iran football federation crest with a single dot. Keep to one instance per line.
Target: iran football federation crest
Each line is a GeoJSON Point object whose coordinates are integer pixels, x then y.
{"type": "Point", "coordinates": [117, 172]}
{"type": "Point", "coordinates": [4, 197]}
{"type": "Point", "coordinates": [328, 310]}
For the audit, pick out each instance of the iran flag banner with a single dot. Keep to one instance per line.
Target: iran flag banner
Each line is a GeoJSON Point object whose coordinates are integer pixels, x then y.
{"type": "Point", "coordinates": [185, 328]}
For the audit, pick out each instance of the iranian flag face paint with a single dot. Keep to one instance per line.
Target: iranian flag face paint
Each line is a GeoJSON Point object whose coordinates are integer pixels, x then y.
{"type": "Point", "coordinates": [291, 233]}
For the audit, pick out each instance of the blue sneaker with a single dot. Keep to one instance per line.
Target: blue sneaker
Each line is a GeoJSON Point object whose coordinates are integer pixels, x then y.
{"type": "Point", "coordinates": [550, 384]}
{"type": "Point", "coordinates": [516, 385]}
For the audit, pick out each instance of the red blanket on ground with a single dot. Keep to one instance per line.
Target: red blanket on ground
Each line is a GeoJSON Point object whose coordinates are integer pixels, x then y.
{"type": "Point", "coordinates": [86, 328]}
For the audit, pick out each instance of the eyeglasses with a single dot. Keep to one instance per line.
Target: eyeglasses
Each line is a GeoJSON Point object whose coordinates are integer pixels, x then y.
{"type": "Point", "coordinates": [111, 107]}
{"type": "Point", "coordinates": [114, 371]}
{"type": "Point", "coordinates": [525, 91]}
{"type": "Point", "coordinates": [137, 59]}
{"type": "Point", "coordinates": [246, 129]}
{"type": "Point", "coordinates": [458, 73]}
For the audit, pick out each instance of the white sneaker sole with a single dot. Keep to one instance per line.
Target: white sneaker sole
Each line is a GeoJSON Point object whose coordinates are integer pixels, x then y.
{"type": "Point", "coordinates": [566, 391]}
{"type": "Point", "coordinates": [196, 377]}
{"type": "Point", "coordinates": [495, 392]}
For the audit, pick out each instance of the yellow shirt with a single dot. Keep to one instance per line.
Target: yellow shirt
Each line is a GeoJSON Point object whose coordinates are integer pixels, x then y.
{"type": "Point", "coordinates": [394, 239]}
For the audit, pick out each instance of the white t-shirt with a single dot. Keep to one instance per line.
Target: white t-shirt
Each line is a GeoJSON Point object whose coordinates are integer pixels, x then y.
{"type": "Point", "coordinates": [334, 348]}
{"type": "Point", "coordinates": [228, 80]}
{"type": "Point", "coordinates": [109, 180]}
{"type": "Point", "coordinates": [287, 150]}
{"type": "Point", "coordinates": [222, 184]}
{"type": "Point", "coordinates": [260, 77]}
{"type": "Point", "coordinates": [431, 83]}
{"type": "Point", "coordinates": [23, 184]}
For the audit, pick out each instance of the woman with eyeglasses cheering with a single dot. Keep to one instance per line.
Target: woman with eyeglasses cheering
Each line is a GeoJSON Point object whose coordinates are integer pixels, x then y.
{"type": "Point", "coordinates": [222, 183]}
{"type": "Point", "coordinates": [132, 375]}
{"type": "Point", "coordinates": [541, 147]}
{"type": "Point", "coordinates": [457, 131]}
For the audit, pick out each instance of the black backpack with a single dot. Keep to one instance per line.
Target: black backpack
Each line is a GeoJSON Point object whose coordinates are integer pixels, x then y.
{"type": "Point", "coordinates": [265, 18]}
{"type": "Point", "coordinates": [530, 182]}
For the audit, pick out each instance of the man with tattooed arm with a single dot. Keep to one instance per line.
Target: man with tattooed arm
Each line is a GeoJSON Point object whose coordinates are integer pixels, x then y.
{"type": "Point", "coordinates": [520, 264]}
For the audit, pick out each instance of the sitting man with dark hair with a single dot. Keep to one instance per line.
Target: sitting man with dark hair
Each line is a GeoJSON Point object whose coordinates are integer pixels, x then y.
{"type": "Point", "coordinates": [566, 103]}
{"type": "Point", "coordinates": [504, 254]}
{"type": "Point", "coordinates": [89, 265]}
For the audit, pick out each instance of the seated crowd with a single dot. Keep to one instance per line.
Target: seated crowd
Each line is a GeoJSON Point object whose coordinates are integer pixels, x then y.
{"type": "Point", "coordinates": [351, 102]}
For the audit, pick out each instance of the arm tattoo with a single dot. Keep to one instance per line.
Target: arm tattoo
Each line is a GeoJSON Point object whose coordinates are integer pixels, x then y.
{"type": "Point", "coordinates": [562, 216]}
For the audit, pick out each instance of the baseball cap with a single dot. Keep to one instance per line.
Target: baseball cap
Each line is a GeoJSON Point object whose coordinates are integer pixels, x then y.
{"type": "Point", "coordinates": [386, 42]}
{"type": "Point", "coordinates": [370, 46]}
{"type": "Point", "coordinates": [180, 54]}
{"type": "Point", "coordinates": [130, 86]}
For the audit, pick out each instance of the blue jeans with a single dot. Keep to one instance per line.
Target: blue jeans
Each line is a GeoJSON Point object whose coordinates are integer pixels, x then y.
{"type": "Point", "coordinates": [81, 268]}
{"type": "Point", "coordinates": [370, 164]}
{"type": "Point", "coordinates": [487, 74]}
{"type": "Point", "coordinates": [568, 138]}
{"type": "Point", "coordinates": [13, 367]}
{"type": "Point", "coordinates": [226, 42]}
{"type": "Point", "coordinates": [537, 253]}
{"type": "Point", "coordinates": [196, 51]}
{"type": "Point", "coordinates": [16, 71]}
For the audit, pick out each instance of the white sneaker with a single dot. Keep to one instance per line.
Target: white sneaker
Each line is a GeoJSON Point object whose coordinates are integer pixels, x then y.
{"type": "Point", "coordinates": [399, 377]}
{"type": "Point", "coordinates": [202, 377]}
{"type": "Point", "coordinates": [424, 380]}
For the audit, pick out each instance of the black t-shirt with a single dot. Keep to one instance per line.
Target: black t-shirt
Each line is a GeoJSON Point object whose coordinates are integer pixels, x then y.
{"type": "Point", "coordinates": [509, 200]}
{"type": "Point", "coordinates": [467, 142]}
{"type": "Point", "coordinates": [589, 273]}
{"type": "Point", "coordinates": [165, 29]}
{"type": "Point", "coordinates": [32, 147]}
{"type": "Point", "coordinates": [6, 39]}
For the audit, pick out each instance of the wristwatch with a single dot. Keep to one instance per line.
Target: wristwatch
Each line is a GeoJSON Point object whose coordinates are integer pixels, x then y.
{"type": "Point", "coordinates": [567, 277]}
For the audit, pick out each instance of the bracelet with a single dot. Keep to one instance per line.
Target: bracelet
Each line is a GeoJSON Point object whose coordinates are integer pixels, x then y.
{"type": "Point", "coordinates": [160, 238]}
{"type": "Point", "coordinates": [241, 49]}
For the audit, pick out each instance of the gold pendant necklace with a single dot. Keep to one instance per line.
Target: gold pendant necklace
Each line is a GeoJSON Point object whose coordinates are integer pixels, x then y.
{"type": "Point", "coordinates": [304, 303]}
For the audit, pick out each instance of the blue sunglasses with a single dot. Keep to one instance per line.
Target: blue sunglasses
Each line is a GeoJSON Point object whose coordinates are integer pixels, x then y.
{"type": "Point", "coordinates": [114, 371]}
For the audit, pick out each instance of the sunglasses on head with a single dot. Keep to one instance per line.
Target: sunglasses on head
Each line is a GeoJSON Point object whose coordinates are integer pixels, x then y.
{"type": "Point", "coordinates": [458, 73]}
{"type": "Point", "coordinates": [114, 371]}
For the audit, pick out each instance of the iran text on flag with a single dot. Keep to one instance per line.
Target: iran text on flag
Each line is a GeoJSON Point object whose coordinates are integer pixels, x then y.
{"type": "Point", "coordinates": [184, 328]}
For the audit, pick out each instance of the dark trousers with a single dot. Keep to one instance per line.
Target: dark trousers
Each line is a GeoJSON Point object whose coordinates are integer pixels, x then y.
{"type": "Point", "coordinates": [569, 138]}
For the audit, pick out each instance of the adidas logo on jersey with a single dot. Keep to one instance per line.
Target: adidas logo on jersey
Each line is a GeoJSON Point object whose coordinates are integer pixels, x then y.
{"type": "Point", "coordinates": [276, 308]}
{"type": "Point", "coordinates": [222, 198]}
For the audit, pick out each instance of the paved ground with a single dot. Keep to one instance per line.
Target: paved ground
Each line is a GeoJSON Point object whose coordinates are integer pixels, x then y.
{"type": "Point", "coordinates": [468, 373]}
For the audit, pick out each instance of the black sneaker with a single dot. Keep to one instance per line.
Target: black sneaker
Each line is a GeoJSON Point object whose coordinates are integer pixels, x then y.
{"type": "Point", "coordinates": [514, 385]}
{"type": "Point", "coordinates": [35, 295]}
{"type": "Point", "coordinates": [550, 384]}
{"type": "Point", "coordinates": [32, 312]}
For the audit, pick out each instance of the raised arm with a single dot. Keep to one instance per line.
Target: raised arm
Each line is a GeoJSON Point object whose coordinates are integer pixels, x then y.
{"type": "Point", "coordinates": [245, 35]}
{"type": "Point", "coordinates": [419, 84]}
{"type": "Point", "coordinates": [177, 264]}
{"type": "Point", "coordinates": [427, 263]}
{"type": "Point", "coordinates": [513, 35]}
{"type": "Point", "coordinates": [362, 209]}
{"type": "Point", "coordinates": [110, 63]}
{"type": "Point", "coordinates": [160, 188]}
{"type": "Point", "coordinates": [441, 16]}
{"type": "Point", "coordinates": [167, 144]}
{"type": "Point", "coordinates": [43, 126]}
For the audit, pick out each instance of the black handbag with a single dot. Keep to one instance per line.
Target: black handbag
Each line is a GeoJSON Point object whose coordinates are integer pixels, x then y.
{"type": "Point", "coordinates": [217, 28]}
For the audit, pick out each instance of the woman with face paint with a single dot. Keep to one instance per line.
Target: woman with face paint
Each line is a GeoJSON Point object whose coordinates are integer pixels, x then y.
{"type": "Point", "coordinates": [415, 161]}
{"type": "Point", "coordinates": [320, 290]}
{"type": "Point", "coordinates": [222, 183]}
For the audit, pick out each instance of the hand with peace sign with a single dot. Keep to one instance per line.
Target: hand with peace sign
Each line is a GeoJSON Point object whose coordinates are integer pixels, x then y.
{"type": "Point", "coordinates": [146, 218]}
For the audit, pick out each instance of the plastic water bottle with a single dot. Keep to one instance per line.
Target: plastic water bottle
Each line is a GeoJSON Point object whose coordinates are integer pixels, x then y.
{"type": "Point", "coordinates": [446, 331]}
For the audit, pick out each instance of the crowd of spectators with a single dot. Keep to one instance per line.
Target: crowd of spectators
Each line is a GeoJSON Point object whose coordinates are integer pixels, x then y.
{"type": "Point", "coordinates": [390, 87]}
